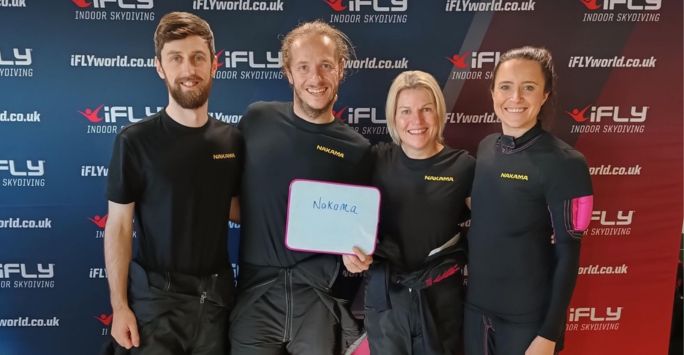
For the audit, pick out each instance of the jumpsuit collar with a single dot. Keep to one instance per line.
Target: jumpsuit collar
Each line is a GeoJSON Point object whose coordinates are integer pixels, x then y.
{"type": "Point", "coordinates": [510, 144]}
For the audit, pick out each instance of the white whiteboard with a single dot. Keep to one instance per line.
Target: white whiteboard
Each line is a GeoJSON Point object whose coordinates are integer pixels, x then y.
{"type": "Point", "coordinates": [327, 217]}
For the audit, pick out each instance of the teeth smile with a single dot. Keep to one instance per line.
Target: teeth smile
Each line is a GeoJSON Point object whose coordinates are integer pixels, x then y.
{"type": "Point", "coordinates": [515, 109]}
{"type": "Point", "coordinates": [315, 91]}
{"type": "Point", "coordinates": [417, 131]}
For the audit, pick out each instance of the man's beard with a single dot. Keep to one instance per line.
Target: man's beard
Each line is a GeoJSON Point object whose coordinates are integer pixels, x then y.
{"type": "Point", "coordinates": [314, 112]}
{"type": "Point", "coordinates": [189, 99]}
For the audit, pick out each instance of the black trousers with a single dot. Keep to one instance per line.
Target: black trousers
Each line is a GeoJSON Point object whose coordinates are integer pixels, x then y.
{"type": "Point", "coordinates": [289, 318]}
{"type": "Point", "coordinates": [198, 329]}
{"type": "Point", "coordinates": [179, 314]}
{"type": "Point", "coordinates": [486, 335]}
{"type": "Point", "coordinates": [426, 321]}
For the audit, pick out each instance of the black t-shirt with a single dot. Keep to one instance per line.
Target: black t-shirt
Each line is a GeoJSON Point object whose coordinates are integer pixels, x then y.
{"type": "Point", "coordinates": [522, 193]}
{"type": "Point", "coordinates": [281, 147]}
{"type": "Point", "coordinates": [181, 180]}
{"type": "Point", "coordinates": [423, 200]}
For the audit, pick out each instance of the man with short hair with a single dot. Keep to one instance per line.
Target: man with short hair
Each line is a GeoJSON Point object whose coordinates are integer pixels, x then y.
{"type": "Point", "coordinates": [176, 172]}
{"type": "Point", "coordinates": [284, 303]}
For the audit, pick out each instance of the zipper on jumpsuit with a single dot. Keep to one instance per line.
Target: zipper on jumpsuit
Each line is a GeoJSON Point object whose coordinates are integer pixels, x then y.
{"type": "Point", "coordinates": [288, 305]}
{"type": "Point", "coordinates": [203, 297]}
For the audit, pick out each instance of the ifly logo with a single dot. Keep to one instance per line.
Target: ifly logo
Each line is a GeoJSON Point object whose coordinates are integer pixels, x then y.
{"type": "Point", "coordinates": [338, 114]}
{"type": "Point", "coordinates": [105, 319]}
{"type": "Point", "coordinates": [19, 57]}
{"type": "Point", "coordinates": [636, 5]}
{"type": "Point", "coordinates": [232, 59]}
{"type": "Point", "coordinates": [15, 169]}
{"type": "Point", "coordinates": [94, 170]}
{"type": "Point", "coordinates": [40, 271]}
{"type": "Point", "coordinates": [375, 5]}
{"type": "Point", "coordinates": [82, 3]}
{"type": "Point", "coordinates": [474, 60]}
{"type": "Point", "coordinates": [336, 5]}
{"type": "Point", "coordinates": [622, 218]}
{"type": "Point", "coordinates": [591, 4]}
{"type": "Point", "coordinates": [579, 115]}
{"type": "Point", "coordinates": [111, 114]}
{"type": "Point", "coordinates": [101, 222]}
{"type": "Point", "coordinates": [122, 4]}
{"type": "Point", "coordinates": [92, 115]}
{"type": "Point", "coordinates": [609, 314]}
{"type": "Point", "coordinates": [218, 57]}
{"type": "Point", "coordinates": [97, 273]}
{"type": "Point", "coordinates": [595, 114]}
{"type": "Point", "coordinates": [355, 115]}
{"type": "Point", "coordinates": [459, 61]}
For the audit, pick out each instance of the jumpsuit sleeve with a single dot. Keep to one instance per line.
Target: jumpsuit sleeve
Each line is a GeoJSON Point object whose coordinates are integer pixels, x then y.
{"type": "Point", "coordinates": [570, 198]}
{"type": "Point", "coordinates": [125, 176]}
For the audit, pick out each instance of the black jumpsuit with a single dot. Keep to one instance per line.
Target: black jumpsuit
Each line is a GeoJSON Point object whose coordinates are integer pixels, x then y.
{"type": "Point", "coordinates": [525, 190]}
{"type": "Point", "coordinates": [181, 180]}
{"type": "Point", "coordinates": [284, 302]}
{"type": "Point", "coordinates": [414, 298]}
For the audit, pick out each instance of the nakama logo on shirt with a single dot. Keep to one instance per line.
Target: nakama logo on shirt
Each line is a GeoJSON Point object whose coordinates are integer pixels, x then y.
{"type": "Point", "coordinates": [513, 176]}
{"type": "Point", "coordinates": [222, 156]}
{"type": "Point", "coordinates": [330, 151]}
{"type": "Point", "coordinates": [439, 178]}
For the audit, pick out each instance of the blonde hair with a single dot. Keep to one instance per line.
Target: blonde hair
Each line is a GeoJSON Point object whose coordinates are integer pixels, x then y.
{"type": "Point", "coordinates": [414, 79]}
{"type": "Point", "coordinates": [344, 50]}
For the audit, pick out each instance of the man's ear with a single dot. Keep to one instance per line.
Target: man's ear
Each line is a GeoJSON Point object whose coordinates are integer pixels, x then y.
{"type": "Point", "coordinates": [214, 66]}
{"type": "Point", "coordinates": [288, 73]}
{"type": "Point", "coordinates": [158, 66]}
{"type": "Point", "coordinates": [341, 68]}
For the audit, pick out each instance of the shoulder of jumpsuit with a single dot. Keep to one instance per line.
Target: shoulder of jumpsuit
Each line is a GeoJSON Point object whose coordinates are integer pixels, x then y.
{"type": "Point", "coordinates": [381, 151]}
{"type": "Point", "coordinates": [142, 128]}
{"type": "Point", "coordinates": [342, 131]}
{"type": "Point", "coordinates": [488, 142]}
{"type": "Point", "coordinates": [466, 166]}
{"type": "Point", "coordinates": [462, 164]}
{"type": "Point", "coordinates": [224, 127]}
{"type": "Point", "coordinates": [259, 112]}
{"type": "Point", "coordinates": [566, 171]}
{"type": "Point", "coordinates": [228, 135]}
{"type": "Point", "coordinates": [458, 156]}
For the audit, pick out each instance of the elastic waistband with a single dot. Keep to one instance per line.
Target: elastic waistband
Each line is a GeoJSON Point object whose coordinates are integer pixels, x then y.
{"type": "Point", "coordinates": [188, 284]}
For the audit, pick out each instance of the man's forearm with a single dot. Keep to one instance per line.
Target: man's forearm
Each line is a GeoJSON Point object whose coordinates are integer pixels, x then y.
{"type": "Point", "coordinates": [118, 250]}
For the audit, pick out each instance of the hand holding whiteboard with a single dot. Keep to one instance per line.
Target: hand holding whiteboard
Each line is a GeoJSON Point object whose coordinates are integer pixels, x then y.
{"type": "Point", "coordinates": [327, 217]}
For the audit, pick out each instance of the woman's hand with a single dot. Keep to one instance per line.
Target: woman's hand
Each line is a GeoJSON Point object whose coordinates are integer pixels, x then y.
{"type": "Point", "coordinates": [541, 346]}
{"type": "Point", "coordinates": [358, 262]}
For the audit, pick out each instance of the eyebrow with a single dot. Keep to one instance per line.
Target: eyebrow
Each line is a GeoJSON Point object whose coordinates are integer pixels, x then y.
{"type": "Point", "coordinates": [179, 52]}
{"type": "Point", "coordinates": [306, 61]}
{"type": "Point", "coordinates": [427, 104]}
{"type": "Point", "coordinates": [524, 82]}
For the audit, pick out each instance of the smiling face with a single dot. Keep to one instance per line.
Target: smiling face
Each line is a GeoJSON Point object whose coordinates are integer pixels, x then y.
{"type": "Point", "coordinates": [518, 95]}
{"type": "Point", "coordinates": [187, 67]}
{"type": "Point", "coordinates": [417, 123]}
{"type": "Point", "coordinates": [314, 71]}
